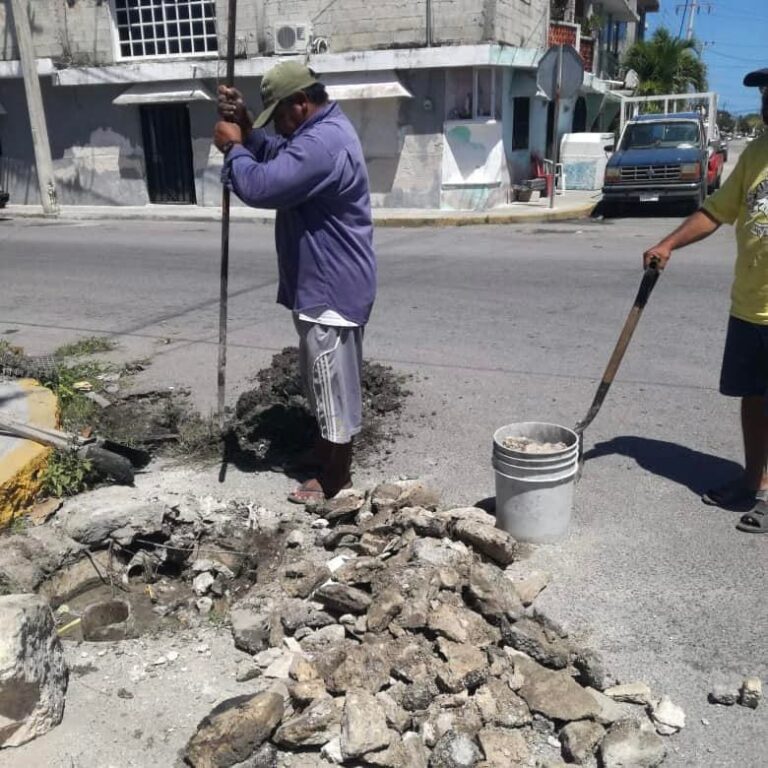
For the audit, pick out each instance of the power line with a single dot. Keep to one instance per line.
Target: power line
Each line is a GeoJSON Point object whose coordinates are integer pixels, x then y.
{"type": "Point", "coordinates": [737, 58]}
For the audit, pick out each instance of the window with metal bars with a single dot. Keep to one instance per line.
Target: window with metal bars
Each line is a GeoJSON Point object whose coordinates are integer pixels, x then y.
{"type": "Point", "coordinates": [157, 28]}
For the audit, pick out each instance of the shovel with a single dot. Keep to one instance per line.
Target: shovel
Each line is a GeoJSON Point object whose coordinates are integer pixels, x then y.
{"type": "Point", "coordinates": [109, 458]}
{"type": "Point", "coordinates": [650, 276]}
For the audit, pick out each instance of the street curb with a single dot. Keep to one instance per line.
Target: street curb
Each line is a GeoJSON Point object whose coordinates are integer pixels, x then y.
{"type": "Point", "coordinates": [436, 219]}
{"type": "Point", "coordinates": [477, 219]}
{"type": "Point", "coordinates": [21, 474]}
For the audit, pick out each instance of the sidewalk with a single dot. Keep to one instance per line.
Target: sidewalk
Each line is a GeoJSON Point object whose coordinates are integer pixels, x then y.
{"type": "Point", "coordinates": [571, 205]}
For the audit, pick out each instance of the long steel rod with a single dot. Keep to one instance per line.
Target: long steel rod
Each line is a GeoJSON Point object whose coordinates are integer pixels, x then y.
{"type": "Point", "coordinates": [225, 205]}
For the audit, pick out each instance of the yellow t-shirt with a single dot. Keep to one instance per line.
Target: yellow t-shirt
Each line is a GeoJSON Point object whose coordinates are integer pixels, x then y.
{"type": "Point", "coordinates": [743, 199]}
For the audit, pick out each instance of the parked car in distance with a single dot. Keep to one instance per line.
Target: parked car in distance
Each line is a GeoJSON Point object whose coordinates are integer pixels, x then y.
{"type": "Point", "coordinates": [662, 158]}
{"type": "Point", "coordinates": [718, 140]}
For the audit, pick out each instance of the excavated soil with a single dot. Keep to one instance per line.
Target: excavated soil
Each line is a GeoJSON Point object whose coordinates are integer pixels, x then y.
{"type": "Point", "coordinates": [273, 422]}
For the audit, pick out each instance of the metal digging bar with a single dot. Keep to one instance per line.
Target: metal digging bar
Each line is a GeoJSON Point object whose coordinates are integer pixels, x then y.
{"type": "Point", "coordinates": [225, 206]}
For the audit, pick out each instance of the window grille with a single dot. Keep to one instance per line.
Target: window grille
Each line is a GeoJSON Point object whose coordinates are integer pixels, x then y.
{"type": "Point", "coordinates": [156, 28]}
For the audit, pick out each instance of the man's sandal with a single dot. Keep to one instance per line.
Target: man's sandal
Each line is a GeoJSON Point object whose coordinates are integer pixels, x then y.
{"type": "Point", "coordinates": [733, 495]}
{"type": "Point", "coordinates": [756, 520]}
{"type": "Point", "coordinates": [306, 494]}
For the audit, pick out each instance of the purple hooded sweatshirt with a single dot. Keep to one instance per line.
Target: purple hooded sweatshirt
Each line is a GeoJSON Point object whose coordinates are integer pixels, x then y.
{"type": "Point", "coordinates": [318, 182]}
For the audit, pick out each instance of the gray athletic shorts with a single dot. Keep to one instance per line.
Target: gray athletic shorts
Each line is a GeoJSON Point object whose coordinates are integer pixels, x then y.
{"type": "Point", "coordinates": [331, 364]}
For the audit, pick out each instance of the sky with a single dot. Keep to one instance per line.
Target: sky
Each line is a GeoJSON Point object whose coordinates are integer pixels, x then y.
{"type": "Point", "coordinates": [735, 38]}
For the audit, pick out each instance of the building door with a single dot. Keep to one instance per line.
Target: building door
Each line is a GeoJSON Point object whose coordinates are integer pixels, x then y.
{"type": "Point", "coordinates": [168, 154]}
{"type": "Point", "coordinates": [580, 115]}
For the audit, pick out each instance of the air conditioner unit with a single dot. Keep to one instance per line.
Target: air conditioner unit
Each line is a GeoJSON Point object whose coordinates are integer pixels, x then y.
{"type": "Point", "coordinates": [292, 37]}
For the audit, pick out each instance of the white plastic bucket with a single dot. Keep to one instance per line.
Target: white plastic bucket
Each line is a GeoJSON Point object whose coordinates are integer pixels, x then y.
{"type": "Point", "coordinates": [534, 491]}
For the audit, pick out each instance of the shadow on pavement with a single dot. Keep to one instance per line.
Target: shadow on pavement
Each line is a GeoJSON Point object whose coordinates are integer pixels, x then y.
{"type": "Point", "coordinates": [695, 470]}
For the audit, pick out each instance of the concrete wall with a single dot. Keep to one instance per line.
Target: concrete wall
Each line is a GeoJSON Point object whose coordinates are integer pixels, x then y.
{"type": "Point", "coordinates": [45, 27]}
{"type": "Point", "coordinates": [99, 157]}
{"type": "Point", "coordinates": [360, 24]}
{"type": "Point", "coordinates": [98, 153]}
{"type": "Point", "coordinates": [523, 23]}
{"type": "Point", "coordinates": [97, 150]}
{"type": "Point", "coordinates": [402, 140]}
{"type": "Point", "coordinates": [84, 34]}
{"type": "Point", "coordinates": [404, 150]}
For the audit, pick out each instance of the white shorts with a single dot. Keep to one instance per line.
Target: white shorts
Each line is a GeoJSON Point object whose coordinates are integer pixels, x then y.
{"type": "Point", "coordinates": [331, 365]}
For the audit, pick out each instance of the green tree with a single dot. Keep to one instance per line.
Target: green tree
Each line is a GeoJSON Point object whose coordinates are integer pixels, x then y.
{"type": "Point", "coordinates": [750, 124]}
{"type": "Point", "coordinates": [726, 121]}
{"type": "Point", "coordinates": [666, 64]}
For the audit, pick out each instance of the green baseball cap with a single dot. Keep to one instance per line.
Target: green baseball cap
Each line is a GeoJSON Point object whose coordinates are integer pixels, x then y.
{"type": "Point", "coordinates": [279, 83]}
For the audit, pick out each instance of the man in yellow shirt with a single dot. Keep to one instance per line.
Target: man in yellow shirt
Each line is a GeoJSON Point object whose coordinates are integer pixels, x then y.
{"type": "Point", "coordinates": [742, 201]}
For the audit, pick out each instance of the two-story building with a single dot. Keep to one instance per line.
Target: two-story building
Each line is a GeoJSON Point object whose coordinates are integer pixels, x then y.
{"type": "Point", "coordinates": [443, 92]}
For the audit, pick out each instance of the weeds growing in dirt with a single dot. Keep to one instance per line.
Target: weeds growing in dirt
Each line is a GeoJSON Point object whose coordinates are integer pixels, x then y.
{"type": "Point", "coordinates": [77, 411]}
{"type": "Point", "coordinates": [89, 346]}
{"type": "Point", "coordinates": [67, 474]}
{"type": "Point", "coordinates": [199, 437]}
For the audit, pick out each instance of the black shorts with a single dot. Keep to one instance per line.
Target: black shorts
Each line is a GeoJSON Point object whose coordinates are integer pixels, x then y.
{"type": "Point", "coordinates": [745, 360]}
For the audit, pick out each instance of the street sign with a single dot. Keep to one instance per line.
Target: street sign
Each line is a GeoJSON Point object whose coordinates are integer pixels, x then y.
{"type": "Point", "coordinates": [572, 76]}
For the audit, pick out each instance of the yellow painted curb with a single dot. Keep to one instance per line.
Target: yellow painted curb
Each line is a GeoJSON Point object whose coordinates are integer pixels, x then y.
{"type": "Point", "coordinates": [22, 470]}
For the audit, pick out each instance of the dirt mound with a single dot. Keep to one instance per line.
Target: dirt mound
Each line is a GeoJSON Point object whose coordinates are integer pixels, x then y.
{"type": "Point", "coordinates": [273, 420]}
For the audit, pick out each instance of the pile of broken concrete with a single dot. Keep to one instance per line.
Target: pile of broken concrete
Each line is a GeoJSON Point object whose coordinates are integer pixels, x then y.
{"type": "Point", "coordinates": [394, 634]}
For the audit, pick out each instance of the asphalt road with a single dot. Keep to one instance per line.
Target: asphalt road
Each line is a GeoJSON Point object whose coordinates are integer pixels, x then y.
{"type": "Point", "coordinates": [496, 325]}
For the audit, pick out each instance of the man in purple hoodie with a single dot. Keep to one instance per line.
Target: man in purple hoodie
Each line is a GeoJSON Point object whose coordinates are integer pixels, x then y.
{"type": "Point", "coordinates": [313, 173]}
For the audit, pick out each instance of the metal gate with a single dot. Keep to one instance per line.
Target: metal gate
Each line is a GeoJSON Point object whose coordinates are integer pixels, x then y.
{"type": "Point", "coordinates": [168, 154]}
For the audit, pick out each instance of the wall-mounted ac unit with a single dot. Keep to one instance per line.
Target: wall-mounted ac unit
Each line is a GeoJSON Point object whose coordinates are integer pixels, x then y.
{"type": "Point", "coordinates": [292, 37]}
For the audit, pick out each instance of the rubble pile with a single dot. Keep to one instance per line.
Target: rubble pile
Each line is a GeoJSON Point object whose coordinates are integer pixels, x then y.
{"type": "Point", "coordinates": [376, 629]}
{"type": "Point", "coordinates": [399, 635]}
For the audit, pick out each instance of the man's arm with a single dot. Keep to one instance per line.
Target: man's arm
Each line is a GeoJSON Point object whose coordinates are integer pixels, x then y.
{"type": "Point", "coordinates": [261, 145]}
{"type": "Point", "coordinates": [696, 227]}
{"type": "Point", "coordinates": [302, 170]}
{"type": "Point", "coordinates": [721, 208]}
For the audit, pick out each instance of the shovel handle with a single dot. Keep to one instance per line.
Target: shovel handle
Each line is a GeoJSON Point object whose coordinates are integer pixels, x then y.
{"type": "Point", "coordinates": [650, 278]}
{"type": "Point", "coordinates": [42, 435]}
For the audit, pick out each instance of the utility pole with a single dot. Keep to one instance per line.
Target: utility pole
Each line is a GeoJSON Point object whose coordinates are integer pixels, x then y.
{"type": "Point", "coordinates": [692, 7]}
{"type": "Point", "coordinates": [40, 142]}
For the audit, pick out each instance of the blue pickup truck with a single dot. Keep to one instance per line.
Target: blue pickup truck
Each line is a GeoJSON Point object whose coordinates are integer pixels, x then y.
{"type": "Point", "coordinates": [661, 158]}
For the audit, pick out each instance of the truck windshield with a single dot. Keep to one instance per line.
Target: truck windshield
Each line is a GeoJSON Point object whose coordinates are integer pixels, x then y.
{"type": "Point", "coordinates": [675, 133]}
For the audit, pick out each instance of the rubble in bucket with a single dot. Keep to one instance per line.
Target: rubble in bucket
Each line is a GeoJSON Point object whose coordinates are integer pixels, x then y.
{"type": "Point", "coordinates": [527, 445]}
{"type": "Point", "coordinates": [534, 479]}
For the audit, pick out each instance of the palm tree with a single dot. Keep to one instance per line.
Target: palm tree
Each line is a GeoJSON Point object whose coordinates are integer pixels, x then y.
{"type": "Point", "coordinates": [666, 64]}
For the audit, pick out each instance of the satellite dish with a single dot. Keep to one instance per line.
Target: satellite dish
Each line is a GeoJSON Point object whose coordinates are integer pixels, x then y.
{"type": "Point", "coordinates": [631, 80]}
